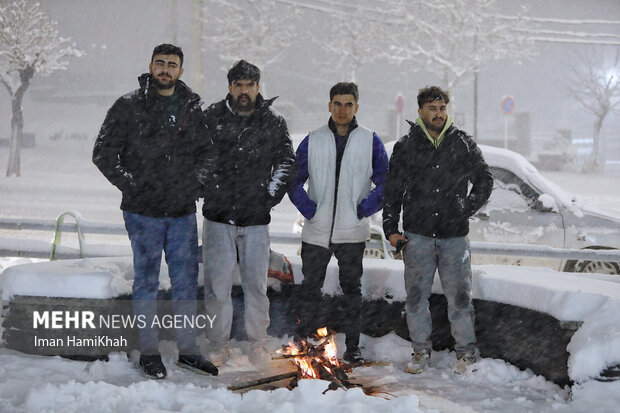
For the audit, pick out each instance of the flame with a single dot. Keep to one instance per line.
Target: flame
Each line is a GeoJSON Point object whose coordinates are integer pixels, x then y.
{"type": "Point", "coordinates": [327, 359]}
{"type": "Point", "coordinates": [307, 371]}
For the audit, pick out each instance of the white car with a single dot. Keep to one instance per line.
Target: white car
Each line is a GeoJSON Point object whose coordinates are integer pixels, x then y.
{"type": "Point", "coordinates": [526, 208]}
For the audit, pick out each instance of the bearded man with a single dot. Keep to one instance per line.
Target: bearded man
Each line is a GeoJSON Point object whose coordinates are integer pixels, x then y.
{"type": "Point", "coordinates": [245, 176]}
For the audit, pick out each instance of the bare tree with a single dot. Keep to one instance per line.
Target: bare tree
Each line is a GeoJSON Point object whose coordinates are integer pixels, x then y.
{"type": "Point", "coordinates": [456, 38]}
{"type": "Point", "coordinates": [259, 31]}
{"type": "Point", "coordinates": [595, 85]}
{"type": "Point", "coordinates": [355, 34]}
{"type": "Point", "coordinates": [29, 46]}
{"type": "Point", "coordinates": [453, 39]}
{"type": "Point", "coordinates": [352, 34]}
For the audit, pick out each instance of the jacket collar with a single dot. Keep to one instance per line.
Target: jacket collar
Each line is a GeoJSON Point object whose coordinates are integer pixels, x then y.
{"type": "Point", "coordinates": [332, 125]}
{"type": "Point", "coordinates": [419, 125]}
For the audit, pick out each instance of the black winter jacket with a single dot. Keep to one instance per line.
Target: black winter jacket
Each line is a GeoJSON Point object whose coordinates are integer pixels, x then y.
{"type": "Point", "coordinates": [251, 163]}
{"type": "Point", "coordinates": [431, 184]}
{"type": "Point", "coordinates": [153, 163]}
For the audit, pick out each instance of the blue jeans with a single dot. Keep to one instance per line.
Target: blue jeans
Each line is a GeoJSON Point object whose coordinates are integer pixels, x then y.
{"type": "Point", "coordinates": [226, 250]}
{"type": "Point", "coordinates": [178, 238]}
{"type": "Point", "coordinates": [452, 259]}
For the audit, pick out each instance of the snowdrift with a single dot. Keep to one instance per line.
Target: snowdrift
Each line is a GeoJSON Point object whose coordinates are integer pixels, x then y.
{"type": "Point", "coordinates": [563, 326]}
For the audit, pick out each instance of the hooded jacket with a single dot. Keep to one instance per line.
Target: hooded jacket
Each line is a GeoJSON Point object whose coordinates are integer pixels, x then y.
{"type": "Point", "coordinates": [430, 183]}
{"type": "Point", "coordinates": [250, 165]}
{"type": "Point", "coordinates": [150, 155]}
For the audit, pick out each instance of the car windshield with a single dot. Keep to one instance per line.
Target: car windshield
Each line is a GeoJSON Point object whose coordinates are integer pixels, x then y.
{"type": "Point", "coordinates": [525, 175]}
{"type": "Point", "coordinates": [508, 181]}
{"type": "Point", "coordinates": [507, 194]}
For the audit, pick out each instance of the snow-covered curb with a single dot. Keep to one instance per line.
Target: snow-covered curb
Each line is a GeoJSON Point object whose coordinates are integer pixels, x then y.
{"type": "Point", "coordinates": [595, 301]}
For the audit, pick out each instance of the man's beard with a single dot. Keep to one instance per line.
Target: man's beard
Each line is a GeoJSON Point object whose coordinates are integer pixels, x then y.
{"type": "Point", "coordinates": [164, 86]}
{"type": "Point", "coordinates": [247, 106]}
{"type": "Point", "coordinates": [431, 127]}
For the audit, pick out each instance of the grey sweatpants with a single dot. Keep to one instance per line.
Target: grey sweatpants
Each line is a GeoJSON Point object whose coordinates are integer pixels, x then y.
{"type": "Point", "coordinates": [222, 244]}
{"type": "Point", "coordinates": [452, 259]}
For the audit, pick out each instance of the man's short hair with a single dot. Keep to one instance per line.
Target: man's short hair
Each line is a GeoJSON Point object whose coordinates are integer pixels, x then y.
{"type": "Point", "coordinates": [243, 70]}
{"type": "Point", "coordinates": [431, 94]}
{"type": "Point", "coordinates": [166, 48]}
{"type": "Point", "coordinates": [344, 88]}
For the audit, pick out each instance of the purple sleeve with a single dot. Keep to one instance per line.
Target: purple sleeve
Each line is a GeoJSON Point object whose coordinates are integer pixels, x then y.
{"type": "Point", "coordinates": [380, 164]}
{"type": "Point", "coordinates": [296, 192]}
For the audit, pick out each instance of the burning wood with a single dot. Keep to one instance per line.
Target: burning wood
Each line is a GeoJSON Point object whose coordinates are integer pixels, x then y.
{"type": "Point", "coordinates": [313, 361]}
{"type": "Point", "coordinates": [261, 381]}
{"type": "Point", "coordinates": [318, 361]}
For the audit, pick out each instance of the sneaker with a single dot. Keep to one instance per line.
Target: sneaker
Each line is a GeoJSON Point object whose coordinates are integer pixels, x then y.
{"type": "Point", "coordinates": [219, 355]}
{"type": "Point", "coordinates": [152, 366]}
{"type": "Point", "coordinates": [353, 355]}
{"type": "Point", "coordinates": [463, 361]}
{"type": "Point", "coordinates": [419, 360]}
{"type": "Point", "coordinates": [197, 364]}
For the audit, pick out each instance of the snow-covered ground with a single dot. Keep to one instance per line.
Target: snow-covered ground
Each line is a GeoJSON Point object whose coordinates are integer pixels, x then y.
{"type": "Point", "coordinates": [60, 177]}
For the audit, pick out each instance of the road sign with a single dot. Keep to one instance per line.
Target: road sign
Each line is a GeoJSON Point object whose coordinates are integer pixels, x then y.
{"type": "Point", "coordinates": [400, 104]}
{"type": "Point", "coordinates": [508, 105]}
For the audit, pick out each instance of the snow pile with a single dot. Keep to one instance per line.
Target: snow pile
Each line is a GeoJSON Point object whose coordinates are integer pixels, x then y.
{"type": "Point", "coordinates": [54, 385]}
{"type": "Point", "coordinates": [548, 203]}
{"type": "Point", "coordinates": [567, 297]}
{"type": "Point", "coordinates": [574, 297]}
{"type": "Point", "coordinates": [594, 397]}
{"type": "Point", "coordinates": [32, 383]}
{"type": "Point", "coordinates": [85, 278]}
{"type": "Point", "coordinates": [7, 262]}
{"type": "Point", "coordinates": [153, 396]}
{"type": "Point", "coordinates": [596, 345]}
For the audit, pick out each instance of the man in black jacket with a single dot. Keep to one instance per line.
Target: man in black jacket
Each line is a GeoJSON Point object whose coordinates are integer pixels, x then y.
{"type": "Point", "coordinates": [148, 147]}
{"type": "Point", "coordinates": [430, 170]}
{"type": "Point", "coordinates": [250, 167]}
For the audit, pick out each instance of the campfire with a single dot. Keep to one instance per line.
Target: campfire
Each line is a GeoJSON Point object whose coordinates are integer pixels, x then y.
{"type": "Point", "coordinates": [318, 360]}
{"type": "Point", "coordinates": [315, 359]}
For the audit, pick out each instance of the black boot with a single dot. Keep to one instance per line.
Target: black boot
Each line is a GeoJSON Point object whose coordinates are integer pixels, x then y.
{"type": "Point", "coordinates": [353, 355]}
{"type": "Point", "coordinates": [197, 364]}
{"type": "Point", "coordinates": [152, 366]}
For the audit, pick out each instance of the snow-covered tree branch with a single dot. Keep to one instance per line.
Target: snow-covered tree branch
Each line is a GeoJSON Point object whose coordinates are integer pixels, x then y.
{"type": "Point", "coordinates": [29, 46]}
{"type": "Point", "coordinates": [259, 31]}
{"type": "Point", "coordinates": [454, 39]}
{"type": "Point", "coordinates": [353, 34]}
{"type": "Point", "coordinates": [357, 34]}
{"type": "Point", "coordinates": [596, 86]}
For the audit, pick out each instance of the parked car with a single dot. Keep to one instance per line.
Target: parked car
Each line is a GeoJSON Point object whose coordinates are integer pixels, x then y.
{"type": "Point", "coordinates": [526, 208]}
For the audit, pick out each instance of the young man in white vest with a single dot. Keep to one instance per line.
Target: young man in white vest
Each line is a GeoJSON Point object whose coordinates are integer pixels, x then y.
{"type": "Point", "coordinates": [340, 162]}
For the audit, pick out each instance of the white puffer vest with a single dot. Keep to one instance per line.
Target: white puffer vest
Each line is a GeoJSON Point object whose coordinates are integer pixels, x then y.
{"type": "Point", "coordinates": [354, 184]}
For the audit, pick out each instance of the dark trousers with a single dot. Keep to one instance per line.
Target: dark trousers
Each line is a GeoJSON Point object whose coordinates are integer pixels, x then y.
{"type": "Point", "coordinates": [314, 266]}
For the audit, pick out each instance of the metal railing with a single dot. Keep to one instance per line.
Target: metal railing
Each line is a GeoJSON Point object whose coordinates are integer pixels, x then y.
{"type": "Point", "coordinates": [40, 249]}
